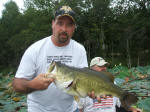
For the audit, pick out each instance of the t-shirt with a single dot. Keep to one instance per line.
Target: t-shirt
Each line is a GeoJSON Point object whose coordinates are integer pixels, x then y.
{"type": "Point", "coordinates": [36, 60]}
{"type": "Point", "coordinates": [106, 105]}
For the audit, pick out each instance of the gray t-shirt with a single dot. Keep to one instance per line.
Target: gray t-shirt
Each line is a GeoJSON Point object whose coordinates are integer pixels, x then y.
{"type": "Point", "coordinates": [36, 60]}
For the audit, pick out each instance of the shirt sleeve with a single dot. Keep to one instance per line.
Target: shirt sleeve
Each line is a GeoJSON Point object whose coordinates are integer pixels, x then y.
{"type": "Point", "coordinates": [83, 59]}
{"type": "Point", "coordinates": [27, 65]}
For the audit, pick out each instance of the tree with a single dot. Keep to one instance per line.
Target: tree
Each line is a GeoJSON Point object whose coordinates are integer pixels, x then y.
{"type": "Point", "coordinates": [8, 28]}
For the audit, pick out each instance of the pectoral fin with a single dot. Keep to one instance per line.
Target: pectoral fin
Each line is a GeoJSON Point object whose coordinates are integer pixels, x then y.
{"type": "Point", "coordinates": [76, 98]}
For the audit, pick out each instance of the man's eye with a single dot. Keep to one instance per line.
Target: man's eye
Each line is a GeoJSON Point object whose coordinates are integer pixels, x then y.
{"type": "Point", "coordinates": [70, 24]}
{"type": "Point", "coordinates": [60, 23]}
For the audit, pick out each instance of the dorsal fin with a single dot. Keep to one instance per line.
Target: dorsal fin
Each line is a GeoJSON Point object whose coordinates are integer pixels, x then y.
{"type": "Point", "coordinates": [109, 75]}
{"type": "Point", "coordinates": [51, 67]}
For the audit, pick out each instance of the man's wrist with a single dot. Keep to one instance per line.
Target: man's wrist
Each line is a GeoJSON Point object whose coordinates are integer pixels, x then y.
{"type": "Point", "coordinates": [30, 87]}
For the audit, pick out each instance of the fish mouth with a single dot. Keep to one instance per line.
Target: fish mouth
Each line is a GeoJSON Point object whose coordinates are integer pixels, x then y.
{"type": "Point", "coordinates": [65, 85]}
{"type": "Point", "coordinates": [70, 85]}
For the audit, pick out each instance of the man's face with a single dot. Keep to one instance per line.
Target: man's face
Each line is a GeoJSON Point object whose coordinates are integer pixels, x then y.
{"type": "Point", "coordinates": [63, 29]}
{"type": "Point", "coordinates": [99, 68]}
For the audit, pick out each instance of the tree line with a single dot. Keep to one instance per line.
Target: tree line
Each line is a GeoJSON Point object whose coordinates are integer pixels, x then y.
{"type": "Point", "coordinates": [118, 31]}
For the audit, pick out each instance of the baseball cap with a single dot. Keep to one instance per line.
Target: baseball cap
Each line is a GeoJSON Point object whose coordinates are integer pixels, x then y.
{"type": "Point", "coordinates": [98, 61]}
{"type": "Point", "coordinates": [65, 11]}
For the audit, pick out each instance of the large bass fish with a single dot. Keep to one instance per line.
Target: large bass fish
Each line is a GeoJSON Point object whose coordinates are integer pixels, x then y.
{"type": "Point", "coordinates": [80, 81]}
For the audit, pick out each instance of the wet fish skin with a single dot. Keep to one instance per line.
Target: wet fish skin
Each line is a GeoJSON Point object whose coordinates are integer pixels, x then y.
{"type": "Point", "coordinates": [80, 81]}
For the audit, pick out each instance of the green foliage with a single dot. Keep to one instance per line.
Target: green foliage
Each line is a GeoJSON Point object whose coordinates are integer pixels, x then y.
{"type": "Point", "coordinates": [133, 73]}
{"type": "Point", "coordinates": [120, 71]}
{"type": "Point", "coordinates": [138, 79]}
{"type": "Point", "coordinates": [10, 101]}
{"type": "Point", "coordinates": [144, 105]}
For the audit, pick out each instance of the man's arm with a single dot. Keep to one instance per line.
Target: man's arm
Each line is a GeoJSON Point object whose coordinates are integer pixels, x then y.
{"type": "Point", "coordinates": [27, 86]}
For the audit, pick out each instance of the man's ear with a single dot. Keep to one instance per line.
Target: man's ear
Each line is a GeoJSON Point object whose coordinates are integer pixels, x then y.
{"type": "Point", "coordinates": [53, 23]}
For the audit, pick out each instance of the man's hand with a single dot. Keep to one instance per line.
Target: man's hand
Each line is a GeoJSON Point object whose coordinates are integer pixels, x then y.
{"type": "Point", "coordinates": [92, 95]}
{"type": "Point", "coordinates": [40, 82]}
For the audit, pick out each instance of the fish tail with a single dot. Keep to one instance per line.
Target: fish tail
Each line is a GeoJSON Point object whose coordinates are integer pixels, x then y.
{"type": "Point", "coordinates": [127, 99]}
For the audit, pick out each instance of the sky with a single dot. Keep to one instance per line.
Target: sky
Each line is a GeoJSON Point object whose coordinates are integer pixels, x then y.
{"type": "Point", "coordinates": [20, 4]}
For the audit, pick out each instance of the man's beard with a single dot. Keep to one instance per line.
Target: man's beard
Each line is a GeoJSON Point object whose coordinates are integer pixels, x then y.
{"type": "Point", "coordinates": [62, 39]}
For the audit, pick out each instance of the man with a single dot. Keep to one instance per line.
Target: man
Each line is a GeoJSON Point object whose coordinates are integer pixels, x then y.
{"type": "Point", "coordinates": [43, 96]}
{"type": "Point", "coordinates": [108, 103]}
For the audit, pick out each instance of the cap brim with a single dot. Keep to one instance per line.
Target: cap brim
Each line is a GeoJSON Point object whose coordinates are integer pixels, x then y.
{"type": "Point", "coordinates": [102, 63]}
{"type": "Point", "coordinates": [66, 15]}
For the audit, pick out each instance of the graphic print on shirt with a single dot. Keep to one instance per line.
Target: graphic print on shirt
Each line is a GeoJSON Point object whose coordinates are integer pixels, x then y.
{"type": "Point", "coordinates": [62, 59]}
{"type": "Point", "coordinates": [105, 103]}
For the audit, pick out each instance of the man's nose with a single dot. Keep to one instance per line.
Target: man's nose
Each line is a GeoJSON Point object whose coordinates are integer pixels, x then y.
{"type": "Point", "coordinates": [64, 27]}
